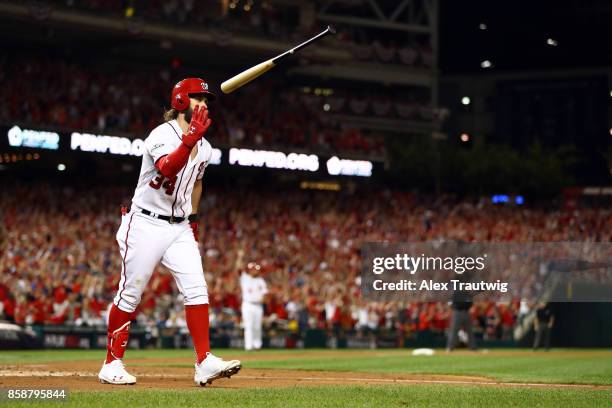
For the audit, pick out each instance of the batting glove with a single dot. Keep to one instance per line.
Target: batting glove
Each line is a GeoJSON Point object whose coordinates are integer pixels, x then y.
{"type": "Point", "coordinates": [193, 223]}
{"type": "Point", "coordinates": [197, 127]}
{"type": "Point", "coordinates": [194, 228]}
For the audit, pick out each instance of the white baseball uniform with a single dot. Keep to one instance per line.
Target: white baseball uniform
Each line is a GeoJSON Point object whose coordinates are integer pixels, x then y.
{"type": "Point", "coordinates": [253, 292]}
{"type": "Point", "coordinates": [145, 240]}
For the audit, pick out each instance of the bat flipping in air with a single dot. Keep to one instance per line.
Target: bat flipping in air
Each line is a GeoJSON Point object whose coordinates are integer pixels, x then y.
{"type": "Point", "coordinates": [250, 74]}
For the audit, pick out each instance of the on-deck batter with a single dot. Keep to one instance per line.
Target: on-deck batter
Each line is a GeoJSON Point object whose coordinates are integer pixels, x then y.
{"type": "Point", "coordinates": [161, 226]}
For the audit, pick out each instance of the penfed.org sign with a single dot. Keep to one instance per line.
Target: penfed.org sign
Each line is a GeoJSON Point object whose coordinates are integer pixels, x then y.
{"type": "Point", "coordinates": [240, 157]}
{"type": "Point", "coordinates": [273, 160]}
{"type": "Point", "coordinates": [116, 145]}
{"type": "Point", "coordinates": [106, 144]}
{"type": "Point", "coordinates": [298, 161]}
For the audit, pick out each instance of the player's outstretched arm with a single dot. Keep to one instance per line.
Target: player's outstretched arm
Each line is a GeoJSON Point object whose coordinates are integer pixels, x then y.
{"type": "Point", "coordinates": [170, 164]}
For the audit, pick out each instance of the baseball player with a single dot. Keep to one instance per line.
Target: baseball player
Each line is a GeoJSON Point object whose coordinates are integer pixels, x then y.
{"type": "Point", "coordinates": [254, 289]}
{"type": "Point", "coordinates": [162, 226]}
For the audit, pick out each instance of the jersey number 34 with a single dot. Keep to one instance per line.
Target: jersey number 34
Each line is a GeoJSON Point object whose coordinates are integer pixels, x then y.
{"type": "Point", "coordinates": [161, 181]}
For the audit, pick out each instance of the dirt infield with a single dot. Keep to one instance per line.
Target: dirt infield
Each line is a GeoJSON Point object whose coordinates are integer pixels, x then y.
{"type": "Point", "coordinates": [176, 374]}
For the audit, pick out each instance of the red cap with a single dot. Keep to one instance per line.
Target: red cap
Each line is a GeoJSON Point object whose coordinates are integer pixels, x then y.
{"type": "Point", "coordinates": [186, 87]}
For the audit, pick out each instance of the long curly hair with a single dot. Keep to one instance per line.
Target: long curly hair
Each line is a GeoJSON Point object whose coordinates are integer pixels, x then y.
{"type": "Point", "coordinates": [170, 114]}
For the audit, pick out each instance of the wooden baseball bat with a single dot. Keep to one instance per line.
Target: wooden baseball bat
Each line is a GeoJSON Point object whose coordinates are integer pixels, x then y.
{"type": "Point", "coordinates": [250, 74]}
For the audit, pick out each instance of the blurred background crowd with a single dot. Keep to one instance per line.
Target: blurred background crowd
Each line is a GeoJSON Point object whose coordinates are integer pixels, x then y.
{"type": "Point", "coordinates": [266, 19]}
{"type": "Point", "coordinates": [421, 88]}
{"type": "Point", "coordinates": [99, 99]}
{"type": "Point", "coordinates": [61, 264]}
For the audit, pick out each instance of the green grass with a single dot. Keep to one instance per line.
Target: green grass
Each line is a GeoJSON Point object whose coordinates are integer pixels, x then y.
{"type": "Point", "coordinates": [523, 366]}
{"type": "Point", "coordinates": [347, 396]}
{"type": "Point", "coordinates": [558, 366]}
{"type": "Point", "coordinates": [30, 356]}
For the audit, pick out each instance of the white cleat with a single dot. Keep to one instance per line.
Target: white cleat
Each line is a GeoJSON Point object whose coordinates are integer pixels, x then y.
{"type": "Point", "coordinates": [114, 373]}
{"type": "Point", "coordinates": [213, 368]}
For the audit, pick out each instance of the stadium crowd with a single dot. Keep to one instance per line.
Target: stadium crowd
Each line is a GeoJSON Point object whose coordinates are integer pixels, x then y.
{"type": "Point", "coordinates": [130, 102]}
{"type": "Point", "coordinates": [60, 263]}
{"type": "Point", "coordinates": [260, 18]}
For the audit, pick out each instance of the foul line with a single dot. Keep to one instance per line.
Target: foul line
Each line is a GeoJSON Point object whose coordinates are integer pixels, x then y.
{"type": "Point", "coordinates": [415, 381]}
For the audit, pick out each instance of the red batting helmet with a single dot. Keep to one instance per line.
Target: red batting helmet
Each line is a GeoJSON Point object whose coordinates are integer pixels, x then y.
{"type": "Point", "coordinates": [186, 87]}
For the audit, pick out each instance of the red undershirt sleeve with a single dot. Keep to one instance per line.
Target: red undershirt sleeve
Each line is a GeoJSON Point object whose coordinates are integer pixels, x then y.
{"type": "Point", "coordinates": [170, 164]}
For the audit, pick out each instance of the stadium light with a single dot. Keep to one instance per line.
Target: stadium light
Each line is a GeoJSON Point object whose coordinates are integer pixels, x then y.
{"type": "Point", "coordinates": [465, 100]}
{"type": "Point", "coordinates": [500, 198]}
{"type": "Point", "coordinates": [486, 64]}
{"type": "Point", "coordinates": [61, 167]}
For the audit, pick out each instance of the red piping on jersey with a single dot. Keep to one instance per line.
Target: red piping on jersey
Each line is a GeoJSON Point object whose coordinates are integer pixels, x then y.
{"type": "Point", "coordinates": [185, 192]}
{"type": "Point", "coordinates": [177, 135]}
{"type": "Point", "coordinates": [127, 234]}
{"type": "Point", "coordinates": [178, 188]}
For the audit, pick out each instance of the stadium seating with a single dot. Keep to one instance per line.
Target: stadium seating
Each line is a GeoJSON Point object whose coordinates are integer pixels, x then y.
{"type": "Point", "coordinates": [61, 264]}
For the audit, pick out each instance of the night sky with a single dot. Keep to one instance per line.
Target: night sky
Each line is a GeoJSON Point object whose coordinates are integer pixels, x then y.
{"type": "Point", "coordinates": [516, 34]}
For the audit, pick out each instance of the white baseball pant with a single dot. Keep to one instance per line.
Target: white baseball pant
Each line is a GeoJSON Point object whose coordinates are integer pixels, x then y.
{"type": "Point", "coordinates": [252, 317]}
{"type": "Point", "coordinates": [144, 241]}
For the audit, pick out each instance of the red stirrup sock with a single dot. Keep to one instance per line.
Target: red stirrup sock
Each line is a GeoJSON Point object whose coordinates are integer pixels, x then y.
{"type": "Point", "coordinates": [118, 333]}
{"type": "Point", "coordinates": [197, 322]}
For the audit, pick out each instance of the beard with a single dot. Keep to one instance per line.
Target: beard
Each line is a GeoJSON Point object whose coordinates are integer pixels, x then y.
{"type": "Point", "coordinates": [188, 114]}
